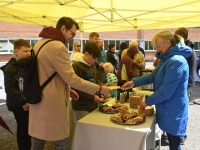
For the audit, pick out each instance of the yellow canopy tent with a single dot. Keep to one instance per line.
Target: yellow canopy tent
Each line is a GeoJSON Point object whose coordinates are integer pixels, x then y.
{"type": "Point", "coordinates": [104, 15]}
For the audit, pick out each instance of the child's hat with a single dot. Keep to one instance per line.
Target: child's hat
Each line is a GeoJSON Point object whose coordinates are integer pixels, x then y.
{"type": "Point", "coordinates": [111, 78]}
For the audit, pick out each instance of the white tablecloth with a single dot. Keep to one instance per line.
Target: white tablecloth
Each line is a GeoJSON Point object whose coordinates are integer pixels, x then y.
{"type": "Point", "coordinates": [96, 132]}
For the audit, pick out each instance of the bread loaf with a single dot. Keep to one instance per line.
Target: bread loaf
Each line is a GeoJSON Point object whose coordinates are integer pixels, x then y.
{"type": "Point", "coordinates": [135, 100]}
{"type": "Point", "coordinates": [148, 111]}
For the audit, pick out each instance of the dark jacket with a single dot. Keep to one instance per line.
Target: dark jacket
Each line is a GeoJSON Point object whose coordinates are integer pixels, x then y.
{"type": "Point", "coordinates": [141, 50]}
{"type": "Point", "coordinates": [14, 97]}
{"type": "Point", "coordinates": [111, 58]}
{"type": "Point", "coordinates": [85, 71]}
{"type": "Point", "coordinates": [192, 64]}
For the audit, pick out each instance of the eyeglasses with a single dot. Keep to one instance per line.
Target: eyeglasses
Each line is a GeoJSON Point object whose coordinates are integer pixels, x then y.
{"type": "Point", "coordinates": [73, 33]}
{"type": "Point", "coordinates": [78, 45]}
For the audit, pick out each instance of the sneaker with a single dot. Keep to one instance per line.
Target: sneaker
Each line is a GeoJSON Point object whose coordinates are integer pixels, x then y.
{"type": "Point", "coordinates": [167, 141]}
{"type": "Point", "coordinates": [185, 137]}
{"type": "Point", "coordinates": [182, 141]}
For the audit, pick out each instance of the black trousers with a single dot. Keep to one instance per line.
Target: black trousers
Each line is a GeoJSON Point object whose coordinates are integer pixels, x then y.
{"type": "Point", "coordinates": [198, 67]}
{"type": "Point", "coordinates": [23, 138]}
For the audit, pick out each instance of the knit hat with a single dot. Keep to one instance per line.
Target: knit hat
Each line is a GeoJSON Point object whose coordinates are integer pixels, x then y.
{"type": "Point", "coordinates": [111, 78]}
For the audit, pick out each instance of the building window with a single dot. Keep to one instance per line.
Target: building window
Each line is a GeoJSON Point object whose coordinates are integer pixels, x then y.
{"type": "Point", "coordinates": [149, 46]}
{"type": "Point", "coordinates": [106, 43]}
{"type": "Point", "coordinates": [197, 45]}
{"type": "Point", "coordinates": [117, 44]}
{"type": "Point", "coordinates": [33, 42]}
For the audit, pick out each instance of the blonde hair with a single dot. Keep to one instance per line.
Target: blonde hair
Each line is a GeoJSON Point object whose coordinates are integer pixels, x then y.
{"type": "Point", "coordinates": [133, 43]}
{"type": "Point", "coordinates": [75, 43]}
{"type": "Point", "coordinates": [166, 35]}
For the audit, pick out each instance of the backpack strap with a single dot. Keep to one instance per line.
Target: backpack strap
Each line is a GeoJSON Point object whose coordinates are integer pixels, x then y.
{"type": "Point", "coordinates": [48, 80]}
{"type": "Point", "coordinates": [53, 75]}
{"type": "Point", "coordinates": [43, 45]}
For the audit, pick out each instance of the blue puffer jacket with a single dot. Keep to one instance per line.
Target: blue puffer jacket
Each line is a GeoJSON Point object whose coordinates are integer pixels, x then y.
{"type": "Point", "coordinates": [170, 79]}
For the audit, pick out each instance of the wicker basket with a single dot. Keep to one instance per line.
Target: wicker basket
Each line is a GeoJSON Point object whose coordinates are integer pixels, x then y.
{"type": "Point", "coordinates": [134, 101]}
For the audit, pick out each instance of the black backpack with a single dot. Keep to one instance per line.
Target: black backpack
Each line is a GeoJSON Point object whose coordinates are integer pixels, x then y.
{"type": "Point", "coordinates": [29, 79]}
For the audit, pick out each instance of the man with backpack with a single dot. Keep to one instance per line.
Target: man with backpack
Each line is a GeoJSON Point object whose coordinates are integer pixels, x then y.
{"type": "Point", "coordinates": [15, 100]}
{"type": "Point", "coordinates": [49, 119]}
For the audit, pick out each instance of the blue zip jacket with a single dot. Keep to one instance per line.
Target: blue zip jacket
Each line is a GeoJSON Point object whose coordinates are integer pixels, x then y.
{"type": "Point", "coordinates": [170, 79]}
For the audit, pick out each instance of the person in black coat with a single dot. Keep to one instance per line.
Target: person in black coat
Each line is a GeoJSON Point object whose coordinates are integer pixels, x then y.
{"type": "Point", "coordinates": [191, 60]}
{"type": "Point", "coordinates": [122, 47]}
{"type": "Point", "coordinates": [111, 56]}
{"type": "Point", "coordinates": [15, 100]}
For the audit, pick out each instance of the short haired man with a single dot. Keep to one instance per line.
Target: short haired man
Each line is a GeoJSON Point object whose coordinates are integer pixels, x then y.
{"type": "Point", "coordinates": [101, 60]}
{"type": "Point", "coordinates": [191, 60]}
{"type": "Point", "coordinates": [49, 119]}
{"type": "Point", "coordinates": [94, 37]}
{"type": "Point", "coordinates": [103, 57]}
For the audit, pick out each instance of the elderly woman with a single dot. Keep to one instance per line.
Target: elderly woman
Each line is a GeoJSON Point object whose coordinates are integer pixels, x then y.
{"type": "Point", "coordinates": [170, 79]}
{"type": "Point", "coordinates": [126, 70]}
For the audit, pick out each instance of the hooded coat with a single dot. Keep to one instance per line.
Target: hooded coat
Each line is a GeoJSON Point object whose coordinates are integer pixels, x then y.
{"type": "Point", "coordinates": [170, 80]}
{"type": "Point", "coordinates": [14, 97]}
{"type": "Point", "coordinates": [49, 119]}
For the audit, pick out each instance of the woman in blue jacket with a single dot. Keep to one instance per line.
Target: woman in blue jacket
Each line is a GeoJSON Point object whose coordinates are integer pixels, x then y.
{"type": "Point", "coordinates": [170, 79]}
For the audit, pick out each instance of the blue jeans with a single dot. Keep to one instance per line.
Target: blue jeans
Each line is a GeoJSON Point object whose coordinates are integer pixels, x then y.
{"type": "Point", "coordinates": [38, 144]}
{"type": "Point", "coordinates": [174, 142]}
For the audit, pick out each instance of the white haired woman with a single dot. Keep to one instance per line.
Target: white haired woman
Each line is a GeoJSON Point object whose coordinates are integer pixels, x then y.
{"type": "Point", "coordinates": [170, 79]}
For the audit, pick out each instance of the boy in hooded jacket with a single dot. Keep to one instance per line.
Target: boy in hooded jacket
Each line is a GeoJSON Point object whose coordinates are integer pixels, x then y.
{"type": "Point", "coordinates": [84, 67]}
{"type": "Point", "coordinates": [15, 100]}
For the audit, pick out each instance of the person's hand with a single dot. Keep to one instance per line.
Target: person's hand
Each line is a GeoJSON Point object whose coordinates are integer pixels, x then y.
{"type": "Point", "coordinates": [127, 85]}
{"type": "Point", "coordinates": [138, 64]}
{"type": "Point", "coordinates": [105, 90]}
{"type": "Point", "coordinates": [107, 96]}
{"type": "Point", "coordinates": [26, 107]}
{"type": "Point", "coordinates": [156, 61]}
{"type": "Point", "coordinates": [98, 99]}
{"type": "Point", "coordinates": [74, 95]}
{"type": "Point", "coordinates": [142, 105]}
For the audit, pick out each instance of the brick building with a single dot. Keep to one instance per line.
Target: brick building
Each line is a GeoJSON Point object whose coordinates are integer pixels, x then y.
{"type": "Point", "coordinates": [11, 31]}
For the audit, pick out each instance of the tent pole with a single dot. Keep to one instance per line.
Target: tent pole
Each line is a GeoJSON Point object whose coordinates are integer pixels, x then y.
{"type": "Point", "coordinates": [81, 34]}
{"type": "Point", "coordinates": [81, 41]}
